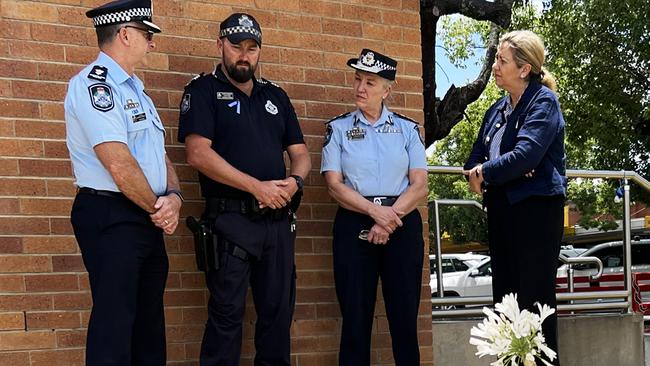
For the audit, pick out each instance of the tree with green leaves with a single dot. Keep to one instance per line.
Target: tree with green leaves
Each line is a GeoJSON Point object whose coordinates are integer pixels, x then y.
{"type": "Point", "coordinates": [600, 52]}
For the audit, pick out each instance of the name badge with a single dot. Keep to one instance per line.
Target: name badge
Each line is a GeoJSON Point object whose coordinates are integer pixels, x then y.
{"type": "Point", "coordinates": [356, 133]}
{"type": "Point", "coordinates": [225, 96]}
{"type": "Point", "coordinates": [139, 117]}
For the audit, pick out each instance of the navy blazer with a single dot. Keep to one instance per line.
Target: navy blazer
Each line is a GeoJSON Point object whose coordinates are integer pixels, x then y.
{"type": "Point", "coordinates": [533, 139]}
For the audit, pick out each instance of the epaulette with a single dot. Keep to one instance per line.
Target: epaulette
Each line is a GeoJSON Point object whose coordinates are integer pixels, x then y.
{"type": "Point", "coordinates": [98, 73]}
{"type": "Point", "coordinates": [338, 117]}
{"type": "Point", "coordinates": [264, 82]}
{"type": "Point", "coordinates": [194, 79]}
{"type": "Point", "coordinates": [406, 118]}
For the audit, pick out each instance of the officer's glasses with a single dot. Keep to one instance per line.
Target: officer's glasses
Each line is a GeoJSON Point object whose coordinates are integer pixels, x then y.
{"type": "Point", "coordinates": [147, 33]}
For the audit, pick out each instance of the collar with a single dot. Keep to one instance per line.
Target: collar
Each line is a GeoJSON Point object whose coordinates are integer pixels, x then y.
{"type": "Point", "coordinates": [385, 117]}
{"type": "Point", "coordinates": [115, 71]}
{"type": "Point", "coordinates": [219, 75]}
{"type": "Point", "coordinates": [532, 89]}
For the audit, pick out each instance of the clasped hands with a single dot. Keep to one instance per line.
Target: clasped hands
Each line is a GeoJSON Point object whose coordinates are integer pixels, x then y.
{"type": "Point", "coordinates": [167, 212]}
{"type": "Point", "coordinates": [475, 176]}
{"type": "Point", "coordinates": [275, 194]}
{"type": "Point", "coordinates": [476, 180]}
{"type": "Point", "coordinates": [387, 220]}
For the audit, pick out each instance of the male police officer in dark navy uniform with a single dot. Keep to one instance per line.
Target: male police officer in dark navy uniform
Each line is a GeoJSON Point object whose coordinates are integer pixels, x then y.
{"type": "Point", "coordinates": [236, 129]}
{"type": "Point", "coordinates": [128, 190]}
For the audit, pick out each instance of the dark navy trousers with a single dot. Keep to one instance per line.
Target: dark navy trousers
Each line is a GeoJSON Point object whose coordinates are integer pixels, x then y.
{"type": "Point", "coordinates": [124, 253]}
{"type": "Point", "coordinates": [272, 279]}
{"type": "Point", "coordinates": [524, 243]}
{"type": "Point", "coordinates": [357, 267]}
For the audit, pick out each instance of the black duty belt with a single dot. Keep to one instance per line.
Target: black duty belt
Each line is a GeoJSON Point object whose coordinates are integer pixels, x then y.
{"type": "Point", "coordinates": [382, 200]}
{"type": "Point", "coordinates": [97, 192]}
{"type": "Point", "coordinates": [247, 206]}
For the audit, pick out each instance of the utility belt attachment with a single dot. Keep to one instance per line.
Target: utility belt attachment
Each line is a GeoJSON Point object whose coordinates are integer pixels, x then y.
{"type": "Point", "coordinates": [208, 246]}
{"type": "Point", "coordinates": [248, 207]}
{"type": "Point", "coordinates": [205, 250]}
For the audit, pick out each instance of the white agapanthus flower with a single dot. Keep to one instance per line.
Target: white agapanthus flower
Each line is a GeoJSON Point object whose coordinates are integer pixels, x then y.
{"type": "Point", "coordinates": [513, 335]}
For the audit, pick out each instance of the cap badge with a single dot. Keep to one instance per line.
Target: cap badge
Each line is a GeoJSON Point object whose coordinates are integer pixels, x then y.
{"type": "Point", "coordinates": [271, 108]}
{"type": "Point", "coordinates": [368, 59]}
{"type": "Point", "coordinates": [245, 21]}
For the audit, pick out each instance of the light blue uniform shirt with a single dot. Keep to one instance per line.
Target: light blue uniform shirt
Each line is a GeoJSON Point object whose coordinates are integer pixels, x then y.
{"type": "Point", "coordinates": [374, 159]}
{"type": "Point", "coordinates": [105, 104]}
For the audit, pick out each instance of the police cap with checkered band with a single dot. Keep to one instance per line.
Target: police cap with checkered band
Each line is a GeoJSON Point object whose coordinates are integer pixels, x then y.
{"type": "Point", "coordinates": [240, 26]}
{"type": "Point", "coordinates": [124, 11]}
{"type": "Point", "coordinates": [375, 63]}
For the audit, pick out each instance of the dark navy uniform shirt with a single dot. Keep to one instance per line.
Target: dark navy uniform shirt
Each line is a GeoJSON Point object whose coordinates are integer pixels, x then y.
{"type": "Point", "coordinates": [250, 133]}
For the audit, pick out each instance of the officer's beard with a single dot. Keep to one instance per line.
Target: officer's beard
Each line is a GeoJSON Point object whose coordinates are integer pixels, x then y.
{"type": "Point", "coordinates": [241, 75]}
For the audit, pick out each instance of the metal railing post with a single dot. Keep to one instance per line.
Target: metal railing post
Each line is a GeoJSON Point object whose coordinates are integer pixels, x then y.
{"type": "Point", "coordinates": [627, 242]}
{"type": "Point", "coordinates": [441, 289]}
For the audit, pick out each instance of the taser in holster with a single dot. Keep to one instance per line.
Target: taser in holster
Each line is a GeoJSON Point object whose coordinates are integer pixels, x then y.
{"type": "Point", "coordinates": [205, 244]}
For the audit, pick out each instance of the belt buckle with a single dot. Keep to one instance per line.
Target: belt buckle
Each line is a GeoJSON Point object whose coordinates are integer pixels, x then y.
{"type": "Point", "coordinates": [378, 200]}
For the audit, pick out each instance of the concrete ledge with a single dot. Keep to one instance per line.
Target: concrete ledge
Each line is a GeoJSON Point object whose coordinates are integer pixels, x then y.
{"type": "Point", "coordinates": [585, 340]}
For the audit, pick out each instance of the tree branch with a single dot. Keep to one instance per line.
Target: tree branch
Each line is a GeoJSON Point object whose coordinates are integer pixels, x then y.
{"type": "Point", "coordinates": [451, 109]}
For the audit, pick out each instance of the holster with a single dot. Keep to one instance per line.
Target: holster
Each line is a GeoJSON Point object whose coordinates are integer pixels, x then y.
{"type": "Point", "coordinates": [205, 244]}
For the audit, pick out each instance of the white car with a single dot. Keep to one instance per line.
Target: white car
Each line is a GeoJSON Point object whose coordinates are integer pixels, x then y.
{"type": "Point", "coordinates": [453, 267]}
{"type": "Point", "coordinates": [477, 280]}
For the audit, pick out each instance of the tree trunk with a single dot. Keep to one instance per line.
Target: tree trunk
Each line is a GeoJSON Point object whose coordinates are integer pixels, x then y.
{"type": "Point", "coordinates": [440, 116]}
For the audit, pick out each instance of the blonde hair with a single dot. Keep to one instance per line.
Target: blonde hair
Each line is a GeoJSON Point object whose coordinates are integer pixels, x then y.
{"type": "Point", "coordinates": [528, 48]}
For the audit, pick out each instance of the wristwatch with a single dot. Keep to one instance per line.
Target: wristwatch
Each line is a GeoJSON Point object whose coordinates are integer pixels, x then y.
{"type": "Point", "coordinates": [299, 181]}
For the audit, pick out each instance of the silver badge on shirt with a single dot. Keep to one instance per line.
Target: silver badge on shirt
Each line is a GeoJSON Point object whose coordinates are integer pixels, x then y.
{"type": "Point", "coordinates": [356, 133]}
{"type": "Point", "coordinates": [271, 108]}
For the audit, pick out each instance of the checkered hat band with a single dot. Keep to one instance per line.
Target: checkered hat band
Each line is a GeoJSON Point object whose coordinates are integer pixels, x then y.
{"type": "Point", "coordinates": [122, 16]}
{"type": "Point", "coordinates": [378, 66]}
{"type": "Point", "coordinates": [240, 29]}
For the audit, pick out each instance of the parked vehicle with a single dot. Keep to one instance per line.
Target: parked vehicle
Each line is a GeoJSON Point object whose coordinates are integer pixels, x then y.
{"type": "Point", "coordinates": [477, 279]}
{"type": "Point", "coordinates": [611, 254]}
{"type": "Point", "coordinates": [453, 267]}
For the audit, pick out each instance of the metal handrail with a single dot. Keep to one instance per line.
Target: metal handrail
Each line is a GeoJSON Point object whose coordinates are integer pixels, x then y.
{"type": "Point", "coordinates": [625, 175]}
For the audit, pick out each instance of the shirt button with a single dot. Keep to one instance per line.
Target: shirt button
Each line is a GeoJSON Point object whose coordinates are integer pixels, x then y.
{"type": "Point", "coordinates": [487, 139]}
{"type": "Point", "coordinates": [498, 125]}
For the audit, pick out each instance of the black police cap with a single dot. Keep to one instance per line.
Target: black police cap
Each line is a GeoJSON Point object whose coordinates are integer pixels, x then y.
{"type": "Point", "coordinates": [124, 11]}
{"type": "Point", "coordinates": [240, 26]}
{"type": "Point", "coordinates": [375, 63]}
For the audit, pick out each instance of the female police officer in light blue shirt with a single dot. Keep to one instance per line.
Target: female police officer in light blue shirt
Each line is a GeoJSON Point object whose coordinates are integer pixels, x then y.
{"type": "Point", "coordinates": [375, 168]}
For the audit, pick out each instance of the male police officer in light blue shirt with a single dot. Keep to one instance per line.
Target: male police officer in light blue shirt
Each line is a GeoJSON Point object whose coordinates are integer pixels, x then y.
{"type": "Point", "coordinates": [128, 192]}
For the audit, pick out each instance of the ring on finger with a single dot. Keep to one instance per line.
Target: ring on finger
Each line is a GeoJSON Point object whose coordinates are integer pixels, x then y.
{"type": "Point", "coordinates": [166, 222]}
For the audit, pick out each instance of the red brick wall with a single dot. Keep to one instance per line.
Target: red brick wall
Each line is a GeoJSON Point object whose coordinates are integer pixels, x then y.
{"type": "Point", "coordinates": [44, 292]}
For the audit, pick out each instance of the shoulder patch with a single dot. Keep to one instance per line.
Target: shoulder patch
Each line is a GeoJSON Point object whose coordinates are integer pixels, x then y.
{"type": "Point", "coordinates": [406, 118]}
{"type": "Point", "coordinates": [328, 135]}
{"type": "Point", "coordinates": [101, 97]}
{"type": "Point", "coordinates": [338, 117]}
{"type": "Point", "coordinates": [185, 103]}
{"type": "Point", "coordinates": [194, 79]}
{"type": "Point", "coordinates": [98, 73]}
{"type": "Point", "coordinates": [417, 130]}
